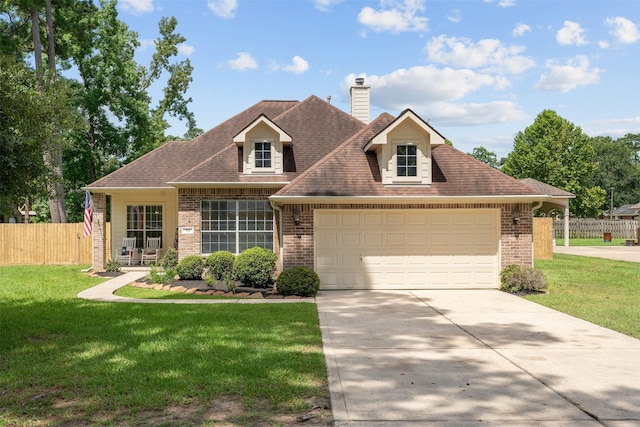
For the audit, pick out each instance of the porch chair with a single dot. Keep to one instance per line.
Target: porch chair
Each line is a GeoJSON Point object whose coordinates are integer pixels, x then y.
{"type": "Point", "coordinates": [128, 250]}
{"type": "Point", "coordinates": [150, 253]}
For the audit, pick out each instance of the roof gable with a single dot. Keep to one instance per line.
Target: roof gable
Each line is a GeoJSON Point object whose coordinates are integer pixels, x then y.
{"type": "Point", "coordinates": [406, 116]}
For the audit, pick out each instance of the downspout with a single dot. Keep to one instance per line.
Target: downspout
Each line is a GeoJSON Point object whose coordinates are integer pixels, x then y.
{"type": "Point", "coordinates": [280, 233]}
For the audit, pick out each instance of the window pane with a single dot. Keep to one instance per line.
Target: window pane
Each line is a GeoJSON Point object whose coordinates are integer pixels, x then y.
{"type": "Point", "coordinates": [402, 150]}
{"type": "Point", "coordinates": [411, 150]}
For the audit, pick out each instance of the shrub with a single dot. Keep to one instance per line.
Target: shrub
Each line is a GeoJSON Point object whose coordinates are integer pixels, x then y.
{"type": "Point", "coordinates": [112, 266]}
{"type": "Point", "coordinates": [170, 259]}
{"type": "Point", "coordinates": [190, 268]}
{"type": "Point", "coordinates": [162, 276]}
{"type": "Point", "coordinates": [255, 266]}
{"type": "Point", "coordinates": [301, 281]}
{"type": "Point", "coordinates": [516, 278]}
{"type": "Point", "coordinates": [220, 264]}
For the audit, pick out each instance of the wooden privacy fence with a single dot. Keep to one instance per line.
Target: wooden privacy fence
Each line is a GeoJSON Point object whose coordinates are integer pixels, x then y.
{"type": "Point", "coordinates": [585, 228]}
{"type": "Point", "coordinates": [45, 244]}
{"type": "Point", "coordinates": [543, 238]}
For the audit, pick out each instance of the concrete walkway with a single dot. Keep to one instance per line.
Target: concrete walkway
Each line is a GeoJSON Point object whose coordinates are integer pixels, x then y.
{"type": "Point", "coordinates": [467, 357]}
{"type": "Point", "coordinates": [623, 253]}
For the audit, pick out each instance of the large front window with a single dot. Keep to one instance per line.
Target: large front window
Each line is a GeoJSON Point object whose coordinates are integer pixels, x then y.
{"type": "Point", "coordinates": [407, 160]}
{"type": "Point", "coordinates": [236, 225]}
{"type": "Point", "coordinates": [144, 221]}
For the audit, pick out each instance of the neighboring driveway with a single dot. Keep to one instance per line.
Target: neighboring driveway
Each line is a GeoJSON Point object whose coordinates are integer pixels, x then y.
{"type": "Point", "coordinates": [465, 357]}
{"type": "Point", "coordinates": [623, 253]}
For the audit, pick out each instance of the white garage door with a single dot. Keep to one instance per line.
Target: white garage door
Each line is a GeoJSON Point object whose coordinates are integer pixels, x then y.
{"type": "Point", "coordinates": [407, 249]}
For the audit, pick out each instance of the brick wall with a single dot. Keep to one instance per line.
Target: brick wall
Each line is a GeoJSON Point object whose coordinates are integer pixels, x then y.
{"type": "Point", "coordinates": [516, 240]}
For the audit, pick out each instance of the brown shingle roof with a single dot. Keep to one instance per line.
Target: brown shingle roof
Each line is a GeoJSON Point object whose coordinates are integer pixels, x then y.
{"type": "Point", "coordinates": [315, 126]}
{"type": "Point", "coordinates": [164, 164]}
{"type": "Point", "coordinates": [349, 171]}
{"type": "Point", "coordinates": [547, 189]}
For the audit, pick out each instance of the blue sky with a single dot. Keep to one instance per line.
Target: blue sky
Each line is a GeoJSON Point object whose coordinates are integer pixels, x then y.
{"type": "Point", "coordinates": [478, 70]}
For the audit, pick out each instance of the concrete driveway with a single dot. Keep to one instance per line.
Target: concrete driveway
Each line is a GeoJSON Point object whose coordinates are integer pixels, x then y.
{"type": "Point", "coordinates": [467, 357]}
{"type": "Point", "coordinates": [622, 253]}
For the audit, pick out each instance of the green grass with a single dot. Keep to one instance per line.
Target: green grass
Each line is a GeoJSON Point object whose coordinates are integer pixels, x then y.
{"type": "Point", "coordinates": [604, 292]}
{"type": "Point", "coordinates": [591, 242]}
{"type": "Point", "coordinates": [142, 293]}
{"type": "Point", "coordinates": [65, 361]}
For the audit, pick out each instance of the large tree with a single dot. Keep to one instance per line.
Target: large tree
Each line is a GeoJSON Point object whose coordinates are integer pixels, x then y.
{"type": "Point", "coordinates": [618, 169]}
{"type": "Point", "coordinates": [120, 122]}
{"type": "Point", "coordinates": [28, 115]}
{"type": "Point", "coordinates": [555, 151]}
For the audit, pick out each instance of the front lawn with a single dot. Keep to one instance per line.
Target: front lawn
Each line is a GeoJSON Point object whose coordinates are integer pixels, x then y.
{"type": "Point", "coordinates": [67, 361]}
{"type": "Point", "coordinates": [605, 292]}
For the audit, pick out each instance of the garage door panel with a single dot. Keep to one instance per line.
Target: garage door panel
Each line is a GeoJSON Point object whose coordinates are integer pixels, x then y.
{"type": "Point", "coordinates": [407, 249]}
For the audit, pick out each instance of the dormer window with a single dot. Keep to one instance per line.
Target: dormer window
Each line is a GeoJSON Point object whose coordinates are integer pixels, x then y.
{"type": "Point", "coordinates": [263, 154]}
{"type": "Point", "coordinates": [407, 160]}
{"type": "Point", "coordinates": [403, 150]}
{"type": "Point", "coordinates": [263, 143]}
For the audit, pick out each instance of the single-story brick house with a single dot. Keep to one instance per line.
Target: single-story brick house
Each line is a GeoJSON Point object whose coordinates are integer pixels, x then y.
{"type": "Point", "coordinates": [380, 204]}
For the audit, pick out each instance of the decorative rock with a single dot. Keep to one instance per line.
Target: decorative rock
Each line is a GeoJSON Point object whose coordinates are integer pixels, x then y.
{"type": "Point", "coordinates": [191, 291]}
{"type": "Point", "coordinates": [158, 287]}
{"type": "Point", "coordinates": [178, 289]}
{"type": "Point", "coordinates": [242, 294]}
{"type": "Point", "coordinates": [166, 288]}
{"type": "Point", "coordinates": [228, 294]}
{"type": "Point", "coordinates": [274, 297]}
{"type": "Point", "coordinates": [256, 295]}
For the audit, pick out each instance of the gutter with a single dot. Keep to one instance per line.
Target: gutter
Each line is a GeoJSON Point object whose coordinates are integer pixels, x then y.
{"type": "Point", "coordinates": [409, 199]}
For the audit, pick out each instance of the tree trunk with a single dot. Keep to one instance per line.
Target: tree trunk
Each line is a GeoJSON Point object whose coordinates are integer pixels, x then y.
{"type": "Point", "coordinates": [56, 202]}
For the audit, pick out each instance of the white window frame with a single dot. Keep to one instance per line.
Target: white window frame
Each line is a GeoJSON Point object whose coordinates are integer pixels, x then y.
{"type": "Point", "coordinates": [235, 226]}
{"type": "Point", "coordinates": [254, 167]}
{"type": "Point", "coordinates": [394, 163]}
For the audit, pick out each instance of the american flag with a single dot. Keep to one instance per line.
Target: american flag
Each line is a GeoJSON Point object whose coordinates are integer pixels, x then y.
{"type": "Point", "coordinates": [87, 215]}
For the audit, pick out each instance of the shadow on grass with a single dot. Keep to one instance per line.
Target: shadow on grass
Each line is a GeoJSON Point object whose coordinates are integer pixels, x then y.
{"type": "Point", "coordinates": [71, 359]}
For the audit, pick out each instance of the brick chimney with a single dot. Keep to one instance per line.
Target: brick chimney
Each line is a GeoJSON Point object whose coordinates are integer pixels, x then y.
{"type": "Point", "coordinates": [360, 101]}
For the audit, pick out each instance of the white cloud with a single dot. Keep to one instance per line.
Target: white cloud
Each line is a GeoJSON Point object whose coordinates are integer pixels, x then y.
{"type": "Point", "coordinates": [185, 49]}
{"type": "Point", "coordinates": [298, 66]}
{"type": "Point", "coordinates": [487, 54]}
{"type": "Point", "coordinates": [244, 61]}
{"type": "Point", "coordinates": [401, 15]}
{"type": "Point", "coordinates": [325, 5]}
{"type": "Point", "coordinates": [520, 29]}
{"type": "Point", "coordinates": [455, 16]}
{"type": "Point", "coordinates": [625, 120]}
{"type": "Point", "coordinates": [574, 73]}
{"type": "Point", "coordinates": [603, 44]}
{"type": "Point", "coordinates": [434, 93]}
{"type": "Point", "coordinates": [503, 3]}
{"type": "Point", "coordinates": [223, 8]}
{"type": "Point", "coordinates": [137, 6]}
{"type": "Point", "coordinates": [623, 29]}
{"type": "Point", "coordinates": [571, 33]}
{"type": "Point", "coordinates": [145, 44]}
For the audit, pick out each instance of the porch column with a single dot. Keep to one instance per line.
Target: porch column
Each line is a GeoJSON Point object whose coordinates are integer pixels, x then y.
{"type": "Point", "coordinates": [99, 233]}
{"type": "Point", "coordinates": [566, 225]}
